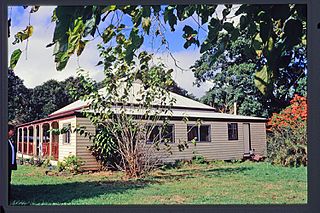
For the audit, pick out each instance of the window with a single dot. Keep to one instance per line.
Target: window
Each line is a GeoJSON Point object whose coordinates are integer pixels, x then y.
{"type": "Point", "coordinates": [67, 134]}
{"type": "Point", "coordinates": [233, 131]}
{"type": "Point", "coordinates": [159, 133]}
{"type": "Point", "coordinates": [199, 133]}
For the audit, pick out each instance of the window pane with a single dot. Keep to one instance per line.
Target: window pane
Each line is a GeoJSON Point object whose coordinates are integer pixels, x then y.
{"type": "Point", "coordinates": [167, 134]}
{"type": "Point", "coordinates": [233, 131]}
{"type": "Point", "coordinates": [68, 137]}
{"type": "Point", "coordinates": [67, 134]}
{"type": "Point", "coordinates": [192, 132]}
{"type": "Point", "coordinates": [204, 133]}
{"type": "Point", "coordinates": [154, 135]}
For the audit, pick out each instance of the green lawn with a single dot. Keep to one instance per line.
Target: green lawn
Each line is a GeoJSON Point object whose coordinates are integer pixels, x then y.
{"type": "Point", "coordinates": [217, 183]}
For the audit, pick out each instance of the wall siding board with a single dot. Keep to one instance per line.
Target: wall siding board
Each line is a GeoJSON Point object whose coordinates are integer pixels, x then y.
{"type": "Point", "coordinates": [258, 139]}
{"type": "Point", "coordinates": [220, 148]}
{"type": "Point", "coordinates": [83, 142]}
{"type": "Point", "coordinates": [67, 149]}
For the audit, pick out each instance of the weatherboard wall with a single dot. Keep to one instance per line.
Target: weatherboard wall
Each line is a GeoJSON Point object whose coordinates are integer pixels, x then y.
{"type": "Point", "coordinates": [84, 142]}
{"type": "Point", "coordinates": [219, 148]}
{"type": "Point", "coordinates": [67, 149]}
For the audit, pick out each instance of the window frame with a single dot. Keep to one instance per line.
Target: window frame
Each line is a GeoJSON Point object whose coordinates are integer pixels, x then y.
{"type": "Point", "coordinates": [158, 126]}
{"type": "Point", "coordinates": [230, 128]}
{"type": "Point", "coordinates": [66, 135]}
{"type": "Point", "coordinates": [199, 132]}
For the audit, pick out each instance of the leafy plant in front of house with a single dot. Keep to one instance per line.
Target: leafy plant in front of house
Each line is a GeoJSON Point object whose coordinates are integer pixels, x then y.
{"type": "Point", "coordinates": [46, 162]}
{"type": "Point", "coordinates": [287, 140]}
{"type": "Point", "coordinates": [198, 159]}
{"type": "Point", "coordinates": [61, 166]}
{"type": "Point", "coordinates": [71, 164]}
{"type": "Point", "coordinates": [32, 160]}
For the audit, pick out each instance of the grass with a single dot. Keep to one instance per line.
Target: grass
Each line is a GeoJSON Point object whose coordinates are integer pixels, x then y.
{"type": "Point", "coordinates": [216, 183]}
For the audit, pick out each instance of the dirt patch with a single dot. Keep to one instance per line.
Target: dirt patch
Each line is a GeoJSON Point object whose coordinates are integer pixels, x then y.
{"type": "Point", "coordinates": [31, 174]}
{"type": "Point", "coordinates": [102, 174]}
{"type": "Point", "coordinates": [178, 199]}
{"type": "Point", "coordinates": [270, 186]}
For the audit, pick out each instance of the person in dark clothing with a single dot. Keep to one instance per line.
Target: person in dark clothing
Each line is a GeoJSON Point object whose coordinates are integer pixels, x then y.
{"type": "Point", "coordinates": [12, 162]}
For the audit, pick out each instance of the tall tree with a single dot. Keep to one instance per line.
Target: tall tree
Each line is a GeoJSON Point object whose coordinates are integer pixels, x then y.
{"type": "Point", "coordinates": [53, 95]}
{"type": "Point", "coordinates": [233, 81]}
{"type": "Point", "coordinates": [18, 99]}
{"type": "Point", "coordinates": [235, 85]}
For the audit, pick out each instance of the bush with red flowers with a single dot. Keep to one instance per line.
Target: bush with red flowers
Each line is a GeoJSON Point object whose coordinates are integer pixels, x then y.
{"type": "Point", "coordinates": [287, 139]}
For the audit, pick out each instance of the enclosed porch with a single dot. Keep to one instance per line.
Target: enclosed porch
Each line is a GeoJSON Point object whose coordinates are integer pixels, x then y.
{"type": "Point", "coordinates": [36, 140]}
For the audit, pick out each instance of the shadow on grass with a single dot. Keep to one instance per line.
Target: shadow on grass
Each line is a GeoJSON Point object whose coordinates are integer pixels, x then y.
{"type": "Point", "coordinates": [66, 192]}
{"type": "Point", "coordinates": [194, 173]}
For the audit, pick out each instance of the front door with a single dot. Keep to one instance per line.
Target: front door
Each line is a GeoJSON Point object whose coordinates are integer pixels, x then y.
{"type": "Point", "coordinates": [246, 138]}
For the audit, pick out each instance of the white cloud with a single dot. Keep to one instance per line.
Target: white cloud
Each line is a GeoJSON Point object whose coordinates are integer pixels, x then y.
{"type": "Point", "coordinates": [40, 67]}
{"type": "Point", "coordinates": [185, 77]}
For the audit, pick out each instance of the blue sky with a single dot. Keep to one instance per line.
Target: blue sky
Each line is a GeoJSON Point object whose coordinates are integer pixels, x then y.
{"type": "Point", "coordinates": [36, 65]}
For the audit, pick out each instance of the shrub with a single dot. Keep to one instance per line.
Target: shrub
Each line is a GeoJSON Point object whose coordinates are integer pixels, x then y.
{"type": "Point", "coordinates": [294, 116]}
{"type": "Point", "coordinates": [31, 161]}
{"type": "Point", "coordinates": [287, 140]}
{"type": "Point", "coordinates": [61, 166]}
{"type": "Point", "coordinates": [177, 164]}
{"type": "Point", "coordinates": [198, 159]}
{"type": "Point", "coordinates": [46, 162]}
{"type": "Point", "coordinates": [38, 162]}
{"type": "Point", "coordinates": [27, 161]}
{"type": "Point", "coordinates": [288, 147]}
{"type": "Point", "coordinates": [71, 163]}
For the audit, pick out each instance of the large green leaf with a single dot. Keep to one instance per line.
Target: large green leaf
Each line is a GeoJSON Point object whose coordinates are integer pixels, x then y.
{"type": "Point", "coordinates": [170, 17]}
{"type": "Point", "coordinates": [75, 36]}
{"type": "Point", "coordinates": [293, 30]}
{"type": "Point", "coordinates": [108, 33]}
{"type": "Point", "coordinates": [214, 28]}
{"type": "Point", "coordinates": [262, 79]}
{"type": "Point", "coordinates": [206, 45]}
{"type": "Point", "coordinates": [81, 47]}
{"type": "Point", "coordinates": [265, 29]}
{"type": "Point", "coordinates": [257, 44]}
{"type": "Point", "coordinates": [23, 35]}
{"type": "Point", "coordinates": [244, 20]}
{"type": "Point", "coordinates": [146, 23]}
{"type": "Point", "coordinates": [135, 43]}
{"type": "Point", "coordinates": [15, 58]}
{"type": "Point", "coordinates": [185, 11]}
{"type": "Point", "coordinates": [228, 27]}
{"type": "Point", "coordinates": [189, 35]}
{"type": "Point", "coordinates": [61, 60]}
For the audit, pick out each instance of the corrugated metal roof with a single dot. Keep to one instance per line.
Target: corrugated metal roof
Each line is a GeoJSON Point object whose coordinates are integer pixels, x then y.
{"type": "Point", "coordinates": [181, 101]}
{"type": "Point", "coordinates": [183, 107]}
{"type": "Point", "coordinates": [186, 113]}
